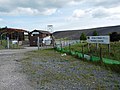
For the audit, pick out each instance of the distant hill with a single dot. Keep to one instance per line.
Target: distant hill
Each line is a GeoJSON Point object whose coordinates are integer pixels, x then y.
{"type": "Point", "coordinates": [75, 34]}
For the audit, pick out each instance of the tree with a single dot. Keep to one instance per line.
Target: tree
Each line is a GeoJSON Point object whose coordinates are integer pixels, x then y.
{"type": "Point", "coordinates": [95, 33]}
{"type": "Point", "coordinates": [114, 36]}
{"type": "Point", "coordinates": [83, 36]}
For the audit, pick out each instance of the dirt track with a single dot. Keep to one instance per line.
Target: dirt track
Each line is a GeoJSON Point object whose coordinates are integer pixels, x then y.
{"type": "Point", "coordinates": [10, 77]}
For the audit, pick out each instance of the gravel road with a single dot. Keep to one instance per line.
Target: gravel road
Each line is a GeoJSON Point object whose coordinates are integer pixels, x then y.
{"type": "Point", "coordinates": [10, 77]}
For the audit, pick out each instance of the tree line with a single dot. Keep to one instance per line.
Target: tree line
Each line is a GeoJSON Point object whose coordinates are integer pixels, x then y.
{"type": "Point", "coordinates": [114, 36]}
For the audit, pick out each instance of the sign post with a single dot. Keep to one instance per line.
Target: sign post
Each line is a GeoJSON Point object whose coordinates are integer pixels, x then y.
{"type": "Point", "coordinates": [99, 40]}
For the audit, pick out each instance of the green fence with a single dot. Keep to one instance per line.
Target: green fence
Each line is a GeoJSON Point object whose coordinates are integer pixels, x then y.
{"type": "Point", "coordinates": [87, 57]}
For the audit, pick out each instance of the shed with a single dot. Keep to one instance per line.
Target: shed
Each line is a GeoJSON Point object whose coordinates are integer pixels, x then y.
{"type": "Point", "coordinates": [38, 33]}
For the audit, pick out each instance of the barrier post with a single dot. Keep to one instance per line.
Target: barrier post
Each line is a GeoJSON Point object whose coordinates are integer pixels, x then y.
{"type": "Point", "coordinates": [38, 43]}
{"type": "Point", "coordinates": [8, 43]}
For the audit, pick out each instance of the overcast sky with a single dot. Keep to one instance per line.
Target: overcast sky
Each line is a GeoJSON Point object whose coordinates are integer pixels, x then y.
{"type": "Point", "coordinates": [62, 14]}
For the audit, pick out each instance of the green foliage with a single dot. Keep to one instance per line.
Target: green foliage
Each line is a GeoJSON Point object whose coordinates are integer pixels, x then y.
{"type": "Point", "coordinates": [83, 36]}
{"type": "Point", "coordinates": [95, 33]}
{"type": "Point", "coordinates": [114, 36]}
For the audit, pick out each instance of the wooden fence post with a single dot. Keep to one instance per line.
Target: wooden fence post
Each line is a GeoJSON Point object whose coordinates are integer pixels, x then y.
{"type": "Point", "coordinates": [61, 44]}
{"type": "Point", "coordinates": [83, 51]}
{"type": "Point", "coordinates": [69, 47]}
{"type": "Point", "coordinates": [90, 53]}
{"type": "Point", "coordinates": [88, 47]}
{"type": "Point", "coordinates": [97, 46]}
{"type": "Point", "coordinates": [100, 53]}
{"type": "Point", "coordinates": [109, 48]}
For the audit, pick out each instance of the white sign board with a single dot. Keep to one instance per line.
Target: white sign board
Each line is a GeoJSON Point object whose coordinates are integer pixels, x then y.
{"type": "Point", "coordinates": [98, 39]}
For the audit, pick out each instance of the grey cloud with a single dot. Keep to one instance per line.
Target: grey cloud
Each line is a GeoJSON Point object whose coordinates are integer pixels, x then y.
{"type": "Point", "coordinates": [100, 13]}
{"type": "Point", "coordinates": [109, 3]}
{"type": "Point", "coordinates": [102, 3]}
{"type": "Point", "coordinates": [2, 9]}
{"type": "Point", "coordinates": [8, 6]}
{"type": "Point", "coordinates": [99, 8]}
{"type": "Point", "coordinates": [39, 5]}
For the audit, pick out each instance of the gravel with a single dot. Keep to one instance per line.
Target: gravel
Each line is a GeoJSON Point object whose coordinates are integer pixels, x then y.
{"type": "Point", "coordinates": [49, 70]}
{"type": "Point", "coordinates": [10, 77]}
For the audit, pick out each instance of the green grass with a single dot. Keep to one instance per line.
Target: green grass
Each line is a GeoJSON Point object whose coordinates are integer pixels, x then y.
{"type": "Point", "coordinates": [113, 54]}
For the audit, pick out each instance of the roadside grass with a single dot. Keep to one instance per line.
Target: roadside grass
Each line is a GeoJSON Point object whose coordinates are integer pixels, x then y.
{"type": "Point", "coordinates": [48, 67]}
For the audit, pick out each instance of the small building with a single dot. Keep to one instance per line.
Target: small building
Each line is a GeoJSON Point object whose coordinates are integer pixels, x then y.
{"type": "Point", "coordinates": [12, 33]}
{"type": "Point", "coordinates": [33, 36]}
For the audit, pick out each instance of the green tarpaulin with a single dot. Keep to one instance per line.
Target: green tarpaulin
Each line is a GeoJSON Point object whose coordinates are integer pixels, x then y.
{"type": "Point", "coordinates": [92, 58]}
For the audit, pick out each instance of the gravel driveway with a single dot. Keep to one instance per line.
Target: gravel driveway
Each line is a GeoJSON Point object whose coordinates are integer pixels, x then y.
{"type": "Point", "coordinates": [10, 77]}
{"type": "Point", "coordinates": [51, 70]}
